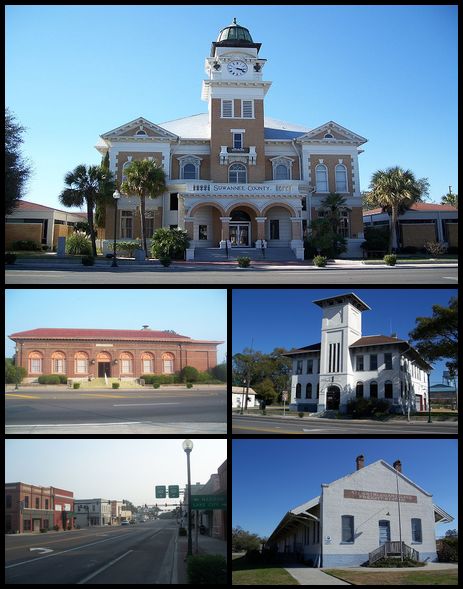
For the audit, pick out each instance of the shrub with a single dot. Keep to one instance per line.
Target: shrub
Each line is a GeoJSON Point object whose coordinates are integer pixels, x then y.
{"type": "Point", "coordinates": [156, 385]}
{"type": "Point", "coordinates": [10, 258]}
{"type": "Point", "coordinates": [127, 247]}
{"type": "Point", "coordinates": [301, 413]}
{"type": "Point", "coordinates": [88, 260]}
{"type": "Point", "coordinates": [160, 378]}
{"type": "Point", "coordinates": [189, 373]}
{"type": "Point", "coordinates": [395, 562]}
{"type": "Point", "coordinates": [435, 248]}
{"type": "Point", "coordinates": [390, 259]}
{"type": "Point", "coordinates": [14, 374]}
{"type": "Point", "coordinates": [165, 262]}
{"type": "Point", "coordinates": [243, 261]}
{"type": "Point", "coordinates": [45, 248]}
{"type": "Point", "coordinates": [169, 243]}
{"type": "Point", "coordinates": [220, 372]}
{"type": "Point", "coordinates": [376, 238]}
{"type": "Point", "coordinates": [26, 245]}
{"type": "Point", "coordinates": [76, 385]}
{"type": "Point", "coordinates": [189, 385]}
{"type": "Point", "coordinates": [56, 527]}
{"type": "Point", "coordinates": [78, 244]}
{"type": "Point", "coordinates": [320, 261]}
{"type": "Point", "coordinates": [43, 530]}
{"type": "Point", "coordinates": [209, 569]}
{"type": "Point", "coordinates": [310, 249]}
{"type": "Point", "coordinates": [368, 407]}
{"type": "Point", "coordinates": [49, 379]}
{"type": "Point", "coordinates": [447, 550]}
{"type": "Point", "coordinates": [115, 385]}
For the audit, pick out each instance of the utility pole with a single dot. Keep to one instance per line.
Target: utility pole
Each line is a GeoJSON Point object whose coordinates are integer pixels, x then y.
{"type": "Point", "coordinates": [248, 378]}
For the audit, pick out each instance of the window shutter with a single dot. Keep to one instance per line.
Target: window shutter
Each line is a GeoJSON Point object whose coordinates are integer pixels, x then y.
{"type": "Point", "coordinates": [246, 107]}
{"type": "Point", "coordinates": [227, 109]}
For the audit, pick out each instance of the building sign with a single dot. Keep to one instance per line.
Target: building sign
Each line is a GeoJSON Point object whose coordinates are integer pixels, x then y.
{"type": "Point", "coordinates": [208, 502]}
{"type": "Point", "coordinates": [104, 345]}
{"type": "Point", "coordinates": [214, 188]}
{"type": "Point", "coordinates": [374, 496]}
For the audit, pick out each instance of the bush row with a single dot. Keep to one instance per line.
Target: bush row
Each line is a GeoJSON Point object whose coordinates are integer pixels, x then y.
{"type": "Point", "coordinates": [53, 379]}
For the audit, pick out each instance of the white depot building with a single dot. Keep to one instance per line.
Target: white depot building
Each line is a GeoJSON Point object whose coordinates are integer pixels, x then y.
{"type": "Point", "coordinates": [346, 364]}
{"type": "Point", "coordinates": [372, 513]}
{"type": "Point", "coordinates": [234, 176]}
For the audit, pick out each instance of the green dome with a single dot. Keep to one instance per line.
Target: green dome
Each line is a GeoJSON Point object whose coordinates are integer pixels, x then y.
{"type": "Point", "coordinates": [234, 32]}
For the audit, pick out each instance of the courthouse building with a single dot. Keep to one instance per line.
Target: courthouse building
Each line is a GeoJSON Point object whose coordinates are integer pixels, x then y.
{"type": "Point", "coordinates": [117, 353]}
{"type": "Point", "coordinates": [236, 177]}
{"type": "Point", "coordinates": [372, 513]}
{"type": "Point", "coordinates": [347, 364]}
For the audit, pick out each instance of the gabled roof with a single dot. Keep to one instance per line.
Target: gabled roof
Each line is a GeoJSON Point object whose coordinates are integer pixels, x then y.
{"type": "Point", "coordinates": [350, 296]}
{"type": "Point", "coordinates": [350, 136]}
{"type": "Point", "coordinates": [120, 132]}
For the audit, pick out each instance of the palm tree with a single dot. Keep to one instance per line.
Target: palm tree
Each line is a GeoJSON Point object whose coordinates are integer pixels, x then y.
{"type": "Point", "coordinates": [145, 179]}
{"type": "Point", "coordinates": [87, 186]}
{"type": "Point", "coordinates": [332, 206]}
{"type": "Point", "coordinates": [395, 189]}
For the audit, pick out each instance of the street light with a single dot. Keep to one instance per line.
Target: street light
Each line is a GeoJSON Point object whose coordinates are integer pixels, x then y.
{"type": "Point", "coordinates": [116, 196]}
{"type": "Point", "coordinates": [188, 447]}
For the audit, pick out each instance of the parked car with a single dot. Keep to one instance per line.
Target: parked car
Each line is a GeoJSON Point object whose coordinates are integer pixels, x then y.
{"type": "Point", "coordinates": [125, 523]}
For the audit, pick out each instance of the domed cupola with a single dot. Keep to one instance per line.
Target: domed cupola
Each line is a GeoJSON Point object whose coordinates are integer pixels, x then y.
{"type": "Point", "coordinates": [234, 35]}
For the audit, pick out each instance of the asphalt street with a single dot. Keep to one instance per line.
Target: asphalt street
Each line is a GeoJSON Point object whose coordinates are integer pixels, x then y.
{"type": "Point", "coordinates": [29, 409]}
{"type": "Point", "coordinates": [404, 274]}
{"type": "Point", "coordinates": [250, 425]}
{"type": "Point", "coordinates": [137, 554]}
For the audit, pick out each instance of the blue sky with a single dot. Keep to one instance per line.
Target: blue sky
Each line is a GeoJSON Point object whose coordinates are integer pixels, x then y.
{"type": "Point", "coordinates": [388, 73]}
{"type": "Point", "coordinates": [118, 469]}
{"type": "Point", "coordinates": [271, 318]}
{"type": "Point", "coordinates": [270, 477]}
{"type": "Point", "coordinates": [196, 313]}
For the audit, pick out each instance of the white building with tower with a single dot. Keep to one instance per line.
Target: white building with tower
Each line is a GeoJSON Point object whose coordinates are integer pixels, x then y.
{"type": "Point", "coordinates": [372, 513]}
{"type": "Point", "coordinates": [347, 364]}
{"type": "Point", "coordinates": [236, 177]}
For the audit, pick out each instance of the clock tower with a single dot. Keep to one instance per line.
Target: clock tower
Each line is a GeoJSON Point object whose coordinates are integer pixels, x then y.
{"type": "Point", "coordinates": [235, 91]}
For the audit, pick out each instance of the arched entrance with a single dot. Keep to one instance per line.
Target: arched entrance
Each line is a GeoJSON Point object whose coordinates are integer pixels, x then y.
{"type": "Point", "coordinates": [104, 364]}
{"type": "Point", "coordinates": [240, 228]}
{"type": "Point", "coordinates": [278, 230]}
{"type": "Point", "coordinates": [206, 229]}
{"type": "Point", "coordinates": [333, 397]}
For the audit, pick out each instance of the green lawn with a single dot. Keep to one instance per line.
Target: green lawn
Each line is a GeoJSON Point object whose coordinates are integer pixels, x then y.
{"type": "Point", "coordinates": [414, 577]}
{"type": "Point", "coordinates": [244, 573]}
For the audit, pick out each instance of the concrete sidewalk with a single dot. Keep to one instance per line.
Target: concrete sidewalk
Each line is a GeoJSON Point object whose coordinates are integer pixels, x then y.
{"type": "Point", "coordinates": [206, 545]}
{"type": "Point", "coordinates": [311, 576]}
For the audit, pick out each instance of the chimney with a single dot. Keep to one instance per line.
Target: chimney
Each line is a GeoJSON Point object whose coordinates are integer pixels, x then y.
{"type": "Point", "coordinates": [360, 460]}
{"type": "Point", "coordinates": [145, 327]}
{"type": "Point", "coordinates": [397, 465]}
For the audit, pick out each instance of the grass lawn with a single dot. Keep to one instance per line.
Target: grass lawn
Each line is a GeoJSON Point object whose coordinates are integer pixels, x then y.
{"type": "Point", "coordinates": [420, 259]}
{"type": "Point", "coordinates": [415, 577]}
{"type": "Point", "coordinates": [244, 573]}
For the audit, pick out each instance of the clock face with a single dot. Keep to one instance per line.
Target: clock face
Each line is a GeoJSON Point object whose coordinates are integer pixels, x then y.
{"type": "Point", "coordinates": [237, 67]}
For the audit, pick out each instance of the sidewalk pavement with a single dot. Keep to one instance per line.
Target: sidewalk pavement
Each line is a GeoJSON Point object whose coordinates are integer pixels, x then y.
{"type": "Point", "coordinates": [311, 576]}
{"type": "Point", "coordinates": [206, 545]}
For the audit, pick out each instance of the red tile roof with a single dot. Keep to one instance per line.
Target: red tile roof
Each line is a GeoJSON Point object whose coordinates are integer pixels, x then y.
{"type": "Point", "coordinates": [377, 340]}
{"type": "Point", "coordinates": [420, 207]}
{"type": "Point", "coordinates": [99, 334]}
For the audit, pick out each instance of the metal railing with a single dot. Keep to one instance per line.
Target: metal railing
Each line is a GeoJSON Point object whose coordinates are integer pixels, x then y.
{"type": "Point", "coordinates": [392, 549]}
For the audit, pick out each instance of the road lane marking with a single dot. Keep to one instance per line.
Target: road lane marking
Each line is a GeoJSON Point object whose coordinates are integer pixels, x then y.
{"type": "Point", "coordinates": [43, 550]}
{"type": "Point", "coordinates": [143, 404]}
{"type": "Point", "coordinates": [101, 396]}
{"type": "Point", "coordinates": [11, 566]}
{"type": "Point", "coordinates": [75, 424]}
{"type": "Point", "coordinates": [103, 568]}
{"type": "Point", "coordinates": [21, 396]}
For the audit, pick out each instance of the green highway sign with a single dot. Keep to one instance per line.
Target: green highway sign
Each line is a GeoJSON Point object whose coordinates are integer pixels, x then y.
{"type": "Point", "coordinates": [160, 492]}
{"type": "Point", "coordinates": [208, 502]}
{"type": "Point", "coordinates": [174, 492]}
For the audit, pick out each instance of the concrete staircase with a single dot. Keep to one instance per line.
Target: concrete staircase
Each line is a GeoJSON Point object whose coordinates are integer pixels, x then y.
{"type": "Point", "coordinates": [272, 254]}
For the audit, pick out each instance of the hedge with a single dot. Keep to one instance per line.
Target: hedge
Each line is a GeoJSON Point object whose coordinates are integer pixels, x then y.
{"type": "Point", "coordinates": [207, 570]}
{"type": "Point", "coordinates": [52, 379]}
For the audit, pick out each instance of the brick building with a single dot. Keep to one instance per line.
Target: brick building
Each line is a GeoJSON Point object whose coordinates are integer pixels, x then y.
{"type": "Point", "coordinates": [30, 508]}
{"type": "Point", "coordinates": [125, 354]}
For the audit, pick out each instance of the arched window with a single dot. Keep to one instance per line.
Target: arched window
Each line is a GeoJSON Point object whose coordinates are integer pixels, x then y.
{"type": "Point", "coordinates": [359, 390]}
{"type": "Point", "coordinates": [35, 362]}
{"type": "Point", "coordinates": [81, 363]}
{"type": "Point", "coordinates": [321, 174]}
{"type": "Point", "coordinates": [341, 178]}
{"type": "Point", "coordinates": [124, 168]}
{"type": "Point", "coordinates": [141, 133]}
{"type": "Point", "coordinates": [281, 172]}
{"type": "Point", "coordinates": [58, 363]}
{"type": "Point", "coordinates": [373, 390]}
{"type": "Point", "coordinates": [328, 136]}
{"type": "Point", "coordinates": [189, 167]}
{"type": "Point", "coordinates": [237, 174]}
{"type": "Point", "coordinates": [126, 363]}
{"type": "Point", "coordinates": [189, 172]}
{"type": "Point", "coordinates": [298, 390]}
{"type": "Point", "coordinates": [147, 362]}
{"type": "Point", "coordinates": [308, 390]}
{"type": "Point", "coordinates": [168, 363]}
{"type": "Point", "coordinates": [388, 390]}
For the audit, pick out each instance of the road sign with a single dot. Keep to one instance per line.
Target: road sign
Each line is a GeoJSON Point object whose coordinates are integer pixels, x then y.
{"type": "Point", "coordinates": [174, 491]}
{"type": "Point", "coordinates": [208, 502]}
{"type": "Point", "coordinates": [160, 491]}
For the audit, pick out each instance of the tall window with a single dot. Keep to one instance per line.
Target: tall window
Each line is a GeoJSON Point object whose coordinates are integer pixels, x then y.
{"type": "Point", "coordinates": [35, 362]}
{"type": "Point", "coordinates": [189, 172]}
{"type": "Point", "coordinates": [81, 363]}
{"type": "Point", "coordinates": [298, 390]}
{"type": "Point", "coordinates": [417, 535]}
{"type": "Point", "coordinates": [321, 174]}
{"type": "Point", "coordinates": [308, 390]}
{"type": "Point", "coordinates": [126, 363]}
{"type": "Point", "coordinates": [298, 366]}
{"type": "Point", "coordinates": [149, 224]}
{"type": "Point", "coordinates": [238, 142]}
{"type": "Point", "coordinates": [168, 363]}
{"type": "Point", "coordinates": [174, 201]}
{"type": "Point", "coordinates": [373, 390]}
{"type": "Point", "coordinates": [359, 363]}
{"type": "Point", "coordinates": [388, 361]}
{"type": "Point", "coordinates": [310, 366]}
{"type": "Point", "coordinates": [347, 528]}
{"type": "Point", "coordinates": [281, 172]}
{"type": "Point", "coordinates": [247, 109]}
{"type": "Point", "coordinates": [126, 224]}
{"type": "Point", "coordinates": [341, 178]}
{"type": "Point", "coordinates": [147, 360]}
{"type": "Point", "coordinates": [359, 390]}
{"type": "Point", "coordinates": [58, 363]}
{"type": "Point", "coordinates": [388, 389]}
{"type": "Point", "coordinates": [373, 361]}
{"type": "Point", "coordinates": [237, 174]}
{"type": "Point", "coordinates": [227, 109]}
{"type": "Point", "coordinates": [124, 168]}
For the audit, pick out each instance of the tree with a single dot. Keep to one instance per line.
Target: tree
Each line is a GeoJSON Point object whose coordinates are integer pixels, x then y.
{"type": "Point", "coordinates": [394, 190]}
{"type": "Point", "coordinates": [242, 540]}
{"type": "Point", "coordinates": [86, 186]}
{"type": "Point", "coordinates": [17, 168]}
{"type": "Point", "coordinates": [100, 210]}
{"type": "Point", "coordinates": [189, 374]}
{"type": "Point", "coordinates": [265, 390]}
{"type": "Point", "coordinates": [145, 179]}
{"type": "Point", "coordinates": [450, 198]}
{"type": "Point", "coordinates": [327, 238]}
{"type": "Point", "coordinates": [169, 243]}
{"type": "Point", "coordinates": [436, 337]}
